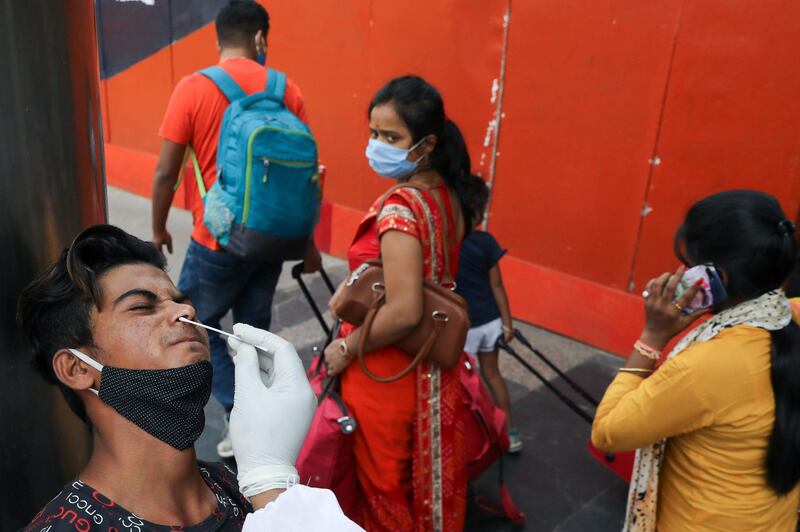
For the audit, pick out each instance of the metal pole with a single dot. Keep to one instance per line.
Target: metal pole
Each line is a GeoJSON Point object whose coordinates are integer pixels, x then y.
{"type": "Point", "coordinates": [51, 186]}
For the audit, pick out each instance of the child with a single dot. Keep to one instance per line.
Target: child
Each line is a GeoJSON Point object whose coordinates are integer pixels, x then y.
{"type": "Point", "coordinates": [479, 282]}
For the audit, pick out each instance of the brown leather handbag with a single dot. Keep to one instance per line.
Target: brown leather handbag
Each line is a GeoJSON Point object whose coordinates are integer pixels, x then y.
{"type": "Point", "coordinates": [439, 336]}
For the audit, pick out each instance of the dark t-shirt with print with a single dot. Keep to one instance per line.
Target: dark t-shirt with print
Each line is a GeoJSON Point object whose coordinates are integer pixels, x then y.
{"type": "Point", "coordinates": [80, 508]}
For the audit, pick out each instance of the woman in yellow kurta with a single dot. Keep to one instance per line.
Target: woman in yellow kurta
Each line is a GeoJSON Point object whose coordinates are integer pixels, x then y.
{"type": "Point", "coordinates": [711, 455]}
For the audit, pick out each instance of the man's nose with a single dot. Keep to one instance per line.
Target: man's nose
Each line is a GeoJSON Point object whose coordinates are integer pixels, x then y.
{"type": "Point", "coordinates": [182, 310]}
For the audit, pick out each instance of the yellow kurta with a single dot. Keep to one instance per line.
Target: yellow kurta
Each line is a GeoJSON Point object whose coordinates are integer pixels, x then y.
{"type": "Point", "coordinates": [714, 402]}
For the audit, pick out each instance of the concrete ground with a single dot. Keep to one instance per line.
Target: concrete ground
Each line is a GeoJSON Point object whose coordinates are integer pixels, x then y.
{"type": "Point", "coordinates": [554, 480]}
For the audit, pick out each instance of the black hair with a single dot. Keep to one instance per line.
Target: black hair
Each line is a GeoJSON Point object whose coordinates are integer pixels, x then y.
{"type": "Point", "coordinates": [239, 21]}
{"type": "Point", "coordinates": [421, 108]}
{"type": "Point", "coordinates": [53, 311]}
{"type": "Point", "coordinates": [746, 234]}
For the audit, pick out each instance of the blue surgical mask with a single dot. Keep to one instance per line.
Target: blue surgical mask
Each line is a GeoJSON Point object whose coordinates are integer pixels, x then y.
{"type": "Point", "coordinates": [391, 161]}
{"type": "Point", "coordinates": [261, 59]}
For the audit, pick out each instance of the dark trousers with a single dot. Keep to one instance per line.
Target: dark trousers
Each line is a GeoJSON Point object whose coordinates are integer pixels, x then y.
{"type": "Point", "coordinates": [217, 282]}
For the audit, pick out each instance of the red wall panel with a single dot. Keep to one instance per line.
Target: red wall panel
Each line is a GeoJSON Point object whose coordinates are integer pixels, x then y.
{"type": "Point", "coordinates": [194, 52]}
{"type": "Point", "coordinates": [592, 91]}
{"type": "Point", "coordinates": [339, 53]}
{"type": "Point", "coordinates": [348, 50]}
{"type": "Point", "coordinates": [326, 57]}
{"type": "Point", "coordinates": [730, 117]}
{"type": "Point", "coordinates": [136, 99]}
{"type": "Point", "coordinates": [583, 91]}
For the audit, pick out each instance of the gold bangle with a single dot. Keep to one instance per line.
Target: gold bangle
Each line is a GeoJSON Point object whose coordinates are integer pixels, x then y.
{"type": "Point", "coordinates": [636, 370]}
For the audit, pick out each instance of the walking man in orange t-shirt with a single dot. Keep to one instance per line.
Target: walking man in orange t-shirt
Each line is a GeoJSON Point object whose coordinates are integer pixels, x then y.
{"type": "Point", "coordinates": [215, 281]}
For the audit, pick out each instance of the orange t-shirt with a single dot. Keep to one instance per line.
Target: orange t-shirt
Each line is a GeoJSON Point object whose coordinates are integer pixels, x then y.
{"type": "Point", "coordinates": [194, 116]}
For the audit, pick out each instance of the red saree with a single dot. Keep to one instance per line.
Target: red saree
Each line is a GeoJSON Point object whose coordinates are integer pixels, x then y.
{"type": "Point", "coordinates": [409, 445]}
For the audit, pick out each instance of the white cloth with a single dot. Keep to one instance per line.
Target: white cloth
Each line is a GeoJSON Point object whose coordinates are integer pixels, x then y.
{"type": "Point", "coordinates": [483, 338]}
{"type": "Point", "coordinates": [301, 509]}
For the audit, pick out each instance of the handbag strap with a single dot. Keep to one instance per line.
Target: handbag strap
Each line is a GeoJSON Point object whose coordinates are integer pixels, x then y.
{"type": "Point", "coordinates": [447, 278]}
{"type": "Point", "coordinates": [438, 325]}
{"type": "Point", "coordinates": [380, 295]}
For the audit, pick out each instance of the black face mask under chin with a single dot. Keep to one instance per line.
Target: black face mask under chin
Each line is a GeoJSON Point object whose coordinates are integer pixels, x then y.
{"type": "Point", "coordinates": [166, 403]}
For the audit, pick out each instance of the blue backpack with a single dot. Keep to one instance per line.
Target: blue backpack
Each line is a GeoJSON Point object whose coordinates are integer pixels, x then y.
{"type": "Point", "coordinates": [265, 202]}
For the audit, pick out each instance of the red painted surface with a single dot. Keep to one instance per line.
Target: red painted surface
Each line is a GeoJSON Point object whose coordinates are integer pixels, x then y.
{"type": "Point", "coordinates": [591, 312]}
{"type": "Point", "coordinates": [730, 117]}
{"type": "Point", "coordinates": [125, 168]}
{"type": "Point", "coordinates": [136, 99]}
{"type": "Point", "coordinates": [592, 91]}
{"type": "Point", "coordinates": [584, 86]}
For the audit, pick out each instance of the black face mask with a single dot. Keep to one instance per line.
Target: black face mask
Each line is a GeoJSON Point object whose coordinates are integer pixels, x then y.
{"type": "Point", "coordinates": [165, 403]}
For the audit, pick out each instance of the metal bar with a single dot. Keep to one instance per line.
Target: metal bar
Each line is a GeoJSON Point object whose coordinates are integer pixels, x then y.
{"type": "Point", "coordinates": [564, 399]}
{"type": "Point", "coordinates": [555, 368]}
{"type": "Point", "coordinates": [51, 170]}
{"type": "Point", "coordinates": [297, 273]}
{"type": "Point", "coordinates": [327, 280]}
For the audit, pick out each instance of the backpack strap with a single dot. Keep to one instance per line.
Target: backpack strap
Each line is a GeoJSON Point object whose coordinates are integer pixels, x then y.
{"type": "Point", "coordinates": [276, 85]}
{"type": "Point", "coordinates": [201, 186]}
{"type": "Point", "coordinates": [224, 83]}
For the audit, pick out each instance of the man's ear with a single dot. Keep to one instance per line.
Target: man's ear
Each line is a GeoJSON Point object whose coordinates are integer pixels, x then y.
{"type": "Point", "coordinates": [72, 372]}
{"type": "Point", "coordinates": [259, 38]}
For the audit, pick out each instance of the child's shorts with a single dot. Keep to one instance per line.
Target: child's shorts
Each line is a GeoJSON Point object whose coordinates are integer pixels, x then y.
{"type": "Point", "coordinates": [483, 338]}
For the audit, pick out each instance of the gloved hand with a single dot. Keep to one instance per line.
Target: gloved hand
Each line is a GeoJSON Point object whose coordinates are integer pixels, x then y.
{"type": "Point", "coordinates": [271, 415]}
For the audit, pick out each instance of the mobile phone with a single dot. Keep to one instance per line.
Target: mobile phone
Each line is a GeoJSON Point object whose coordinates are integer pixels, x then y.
{"type": "Point", "coordinates": [712, 290]}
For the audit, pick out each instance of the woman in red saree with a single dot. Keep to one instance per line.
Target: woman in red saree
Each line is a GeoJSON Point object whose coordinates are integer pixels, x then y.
{"type": "Point", "coordinates": [409, 444]}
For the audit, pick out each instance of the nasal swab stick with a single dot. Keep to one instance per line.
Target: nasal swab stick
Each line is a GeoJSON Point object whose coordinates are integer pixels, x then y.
{"type": "Point", "coordinates": [186, 320]}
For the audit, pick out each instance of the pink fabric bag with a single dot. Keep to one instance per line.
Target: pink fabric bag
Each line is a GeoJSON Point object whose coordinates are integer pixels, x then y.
{"type": "Point", "coordinates": [327, 459]}
{"type": "Point", "coordinates": [485, 438]}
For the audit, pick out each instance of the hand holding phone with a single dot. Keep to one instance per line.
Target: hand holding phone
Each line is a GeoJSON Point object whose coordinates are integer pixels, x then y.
{"type": "Point", "coordinates": [712, 290]}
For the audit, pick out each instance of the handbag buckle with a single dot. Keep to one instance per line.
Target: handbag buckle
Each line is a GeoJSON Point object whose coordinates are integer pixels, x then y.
{"type": "Point", "coordinates": [347, 424]}
{"type": "Point", "coordinates": [356, 274]}
{"type": "Point", "coordinates": [438, 315]}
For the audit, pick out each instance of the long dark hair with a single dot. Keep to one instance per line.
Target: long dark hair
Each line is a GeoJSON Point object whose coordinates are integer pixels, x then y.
{"type": "Point", "coordinates": [420, 106]}
{"type": "Point", "coordinates": [746, 234]}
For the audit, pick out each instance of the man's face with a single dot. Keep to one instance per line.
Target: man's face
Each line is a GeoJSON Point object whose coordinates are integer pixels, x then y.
{"type": "Point", "coordinates": [137, 324]}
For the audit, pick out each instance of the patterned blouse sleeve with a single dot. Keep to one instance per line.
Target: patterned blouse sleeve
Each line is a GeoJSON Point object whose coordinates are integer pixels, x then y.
{"type": "Point", "coordinates": [397, 215]}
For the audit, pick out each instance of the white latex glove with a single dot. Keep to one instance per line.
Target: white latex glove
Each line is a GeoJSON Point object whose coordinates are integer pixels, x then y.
{"type": "Point", "coordinates": [270, 416]}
